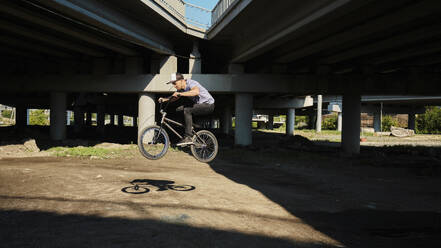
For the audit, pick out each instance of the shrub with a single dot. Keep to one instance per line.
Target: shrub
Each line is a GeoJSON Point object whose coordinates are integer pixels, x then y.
{"type": "Point", "coordinates": [330, 122]}
{"type": "Point", "coordinates": [387, 122]}
{"type": "Point", "coordinates": [6, 113]}
{"type": "Point", "coordinates": [430, 121]}
{"type": "Point", "coordinates": [38, 117]}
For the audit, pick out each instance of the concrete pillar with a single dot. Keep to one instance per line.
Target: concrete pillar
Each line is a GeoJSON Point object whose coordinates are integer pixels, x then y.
{"type": "Point", "coordinates": [121, 120]}
{"type": "Point", "coordinates": [226, 120]}
{"type": "Point", "coordinates": [28, 114]}
{"type": "Point", "coordinates": [58, 116]}
{"type": "Point", "coordinates": [78, 118]}
{"type": "Point", "coordinates": [377, 121]}
{"type": "Point", "coordinates": [350, 141]}
{"type": "Point", "coordinates": [339, 121]}
{"type": "Point", "coordinates": [318, 126]}
{"type": "Point", "coordinates": [290, 121]}
{"type": "Point", "coordinates": [112, 119]}
{"type": "Point", "coordinates": [311, 121]}
{"type": "Point", "coordinates": [20, 116]}
{"type": "Point", "coordinates": [270, 125]}
{"type": "Point", "coordinates": [89, 118]}
{"type": "Point", "coordinates": [146, 110]}
{"type": "Point", "coordinates": [164, 64]}
{"type": "Point", "coordinates": [195, 63]}
{"type": "Point", "coordinates": [411, 120]}
{"type": "Point", "coordinates": [244, 115]}
{"type": "Point", "coordinates": [100, 116]}
{"type": "Point", "coordinates": [69, 114]}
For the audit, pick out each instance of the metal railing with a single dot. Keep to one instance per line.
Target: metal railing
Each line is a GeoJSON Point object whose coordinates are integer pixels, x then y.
{"type": "Point", "coordinates": [195, 15]}
{"type": "Point", "coordinates": [220, 9]}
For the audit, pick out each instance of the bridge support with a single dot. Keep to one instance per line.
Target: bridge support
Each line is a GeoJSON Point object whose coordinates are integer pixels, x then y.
{"type": "Point", "coordinates": [226, 120]}
{"type": "Point", "coordinates": [318, 126]}
{"type": "Point", "coordinates": [146, 111]}
{"type": "Point", "coordinates": [58, 116]}
{"type": "Point", "coordinates": [78, 119]}
{"type": "Point", "coordinates": [20, 115]}
{"type": "Point", "coordinates": [195, 63]}
{"type": "Point", "coordinates": [270, 122]}
{"type": "Point", "coordinates": [339, 121]}
{"type": "Point", "coordinates": [120, 120]}
{"type": "Point", "coordinates": [377, 120]}
{"type": "Point", "coordinates": [350, 141]}
{"type": "Point", "coordinates": [411, 120]}
{"type": "Point", "coordinates": [100, 118]}
{"type": "Point", "coordinates": [290, 121]}
{"type": "Point", "coordinates": [244, 115]}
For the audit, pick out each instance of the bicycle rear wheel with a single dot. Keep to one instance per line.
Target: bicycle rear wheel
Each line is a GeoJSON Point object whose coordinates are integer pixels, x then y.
{"type": "Point", "coordinates": [153, 142]}
{"type": "Point", "coordinates": [205, 146]}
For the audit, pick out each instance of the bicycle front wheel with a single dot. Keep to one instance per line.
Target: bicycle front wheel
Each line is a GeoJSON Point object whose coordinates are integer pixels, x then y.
{"type": "Point", "coordinates": [205, 146]}
{"type": "Point", "coordinates": [153, 142]}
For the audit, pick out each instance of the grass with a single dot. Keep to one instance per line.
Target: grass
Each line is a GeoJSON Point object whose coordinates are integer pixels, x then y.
{"type": "Point", "coordinates": [80, 151]}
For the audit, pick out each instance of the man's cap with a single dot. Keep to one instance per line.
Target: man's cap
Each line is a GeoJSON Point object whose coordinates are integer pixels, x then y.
{"type": "Point", "coordinates": [175, 77]}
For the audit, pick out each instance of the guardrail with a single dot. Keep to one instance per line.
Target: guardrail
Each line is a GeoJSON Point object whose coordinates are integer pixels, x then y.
{"type": "Point", "coordinates": [220, 9]}
{"type": "Point", "coordinates": [196, 15]}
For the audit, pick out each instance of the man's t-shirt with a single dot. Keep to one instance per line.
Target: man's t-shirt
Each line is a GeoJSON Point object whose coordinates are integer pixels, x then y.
{"type": "Point", "coordinates": [204, 95]}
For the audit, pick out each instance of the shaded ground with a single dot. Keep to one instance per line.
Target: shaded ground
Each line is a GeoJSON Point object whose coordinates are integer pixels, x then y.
{"type": "Point", "coordinates": [279, 193]}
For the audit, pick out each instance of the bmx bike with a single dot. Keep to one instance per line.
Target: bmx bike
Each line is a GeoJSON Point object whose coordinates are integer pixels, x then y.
{"type": "Point", "coordinates": [140, 186]}
{"type": "Point", "coordinates": [154, 142]}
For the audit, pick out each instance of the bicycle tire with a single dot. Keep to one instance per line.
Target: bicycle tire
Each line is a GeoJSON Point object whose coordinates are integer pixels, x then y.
{"type": "Point", "coordinates": [181, 187]}
{"type": "Point", "coordinates": [153, 150]}
{"type": "Point", "coordinates": [207, 152]}
{"type": "Point", "coordinates": [135, 190]}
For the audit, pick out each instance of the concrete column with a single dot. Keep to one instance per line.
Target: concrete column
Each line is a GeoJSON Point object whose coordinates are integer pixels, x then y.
{"type": "Point", "coordinates": [411, 120]}
{"type": "Point", "coordinates": [168, 65]}
{"type": "Point", "coordinates": [226, 120]}
{"type": "Point", "coordinates": [100, 115]}
{"type": "Point", "coordinates": [351, 123]}
{"type": "Point", "coordinates": [195, 63]}
{"type": "Point", "coordinates": [146, 110]}
{"type": "Point", "coordinates": [28, 114]}
{"type": "Point", "coordinates": [112, 119]}
{"type": "Point", "coordinates": [78, 119]}
{"type": "Point", "coordinates": [318, 126]}
{"type": "Point", "coordinates": [20, 116]}
{"type": "Point", "coordinates": [58, 116]}
{"type": "Point", "coordinates": [290, 121]}
{"type": "Point", "coordinates": [339, 121]}
{"type": "Point", "coordinates": [89, 118]}
{"type": "Point", "coordinates": [311, 121]}
{"type": "Point", "coordinates": [270, 122]}
{"type": "Point", "coordinates": [69, 114]}
{"type": "Point", "coordinates": [121, 120]}
{"type": "Point", "coordinates": [244, 115]}
{"type": "Point", "coordinates": [377, 121]}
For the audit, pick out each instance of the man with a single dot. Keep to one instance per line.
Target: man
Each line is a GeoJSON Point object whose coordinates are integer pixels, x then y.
{"type": "Point", "coordinates": [202, 102]}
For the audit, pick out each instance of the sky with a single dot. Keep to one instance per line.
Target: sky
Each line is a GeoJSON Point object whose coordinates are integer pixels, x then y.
{"type": "Point", "coordinates": [198, 15]}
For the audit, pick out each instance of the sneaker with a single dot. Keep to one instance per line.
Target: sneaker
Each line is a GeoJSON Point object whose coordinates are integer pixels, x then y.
{"type": "Point", "coordinates": [185, 141]}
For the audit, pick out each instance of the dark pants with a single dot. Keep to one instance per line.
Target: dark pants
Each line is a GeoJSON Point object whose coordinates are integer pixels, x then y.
{"type": "Point", "coordinates": [196, 109]}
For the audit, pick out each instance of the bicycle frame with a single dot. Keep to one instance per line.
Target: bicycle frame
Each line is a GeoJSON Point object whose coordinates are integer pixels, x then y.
{"type": "Point", "coordinates": [165, 120]}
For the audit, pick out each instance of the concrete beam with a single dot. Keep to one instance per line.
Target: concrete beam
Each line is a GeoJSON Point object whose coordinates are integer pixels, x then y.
{"type": "Point", "coordinates": [225, 83]}
{"type": "Point", "coordinates": [101, 15]}
{"type": "Point", "coordinates": [37, 19]}
{"type": "Point", "coordinates": [284, 103]}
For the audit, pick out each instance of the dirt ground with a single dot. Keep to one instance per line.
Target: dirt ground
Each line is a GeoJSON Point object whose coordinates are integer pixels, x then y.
{"type": "Point", "coordinates": [278, 193]}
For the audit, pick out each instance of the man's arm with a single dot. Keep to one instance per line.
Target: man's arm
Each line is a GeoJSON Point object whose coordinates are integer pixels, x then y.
{"type": "Point", "coordinates": [192, 92]}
